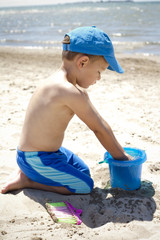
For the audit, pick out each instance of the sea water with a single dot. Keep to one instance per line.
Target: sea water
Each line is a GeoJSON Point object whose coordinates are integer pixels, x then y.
{"type": "Point", "coordinates": [134, 27]}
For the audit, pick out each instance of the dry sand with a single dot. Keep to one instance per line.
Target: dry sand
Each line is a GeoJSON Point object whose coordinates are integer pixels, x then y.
{"type": "Point", "coordinates": [130, 103]}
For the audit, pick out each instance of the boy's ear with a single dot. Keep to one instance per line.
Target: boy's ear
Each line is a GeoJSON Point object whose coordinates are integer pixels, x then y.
{"type": "Point", "coordinates": [82, 61]}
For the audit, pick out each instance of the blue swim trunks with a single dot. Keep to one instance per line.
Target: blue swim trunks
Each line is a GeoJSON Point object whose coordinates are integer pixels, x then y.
{"type": "Point", "coordinates": [60, 168]}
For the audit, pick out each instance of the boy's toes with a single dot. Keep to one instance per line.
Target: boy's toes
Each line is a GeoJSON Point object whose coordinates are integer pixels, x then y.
{"type": "Point", "coordinates": [4, 189]}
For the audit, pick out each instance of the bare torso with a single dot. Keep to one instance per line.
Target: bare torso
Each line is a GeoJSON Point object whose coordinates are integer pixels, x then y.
{"type": "Point", "coordinates": [47, 117]}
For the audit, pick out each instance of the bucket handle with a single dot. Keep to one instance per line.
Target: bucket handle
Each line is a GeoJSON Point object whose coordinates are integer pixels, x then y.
{"type": "Point", "coordinates": [104, 161]}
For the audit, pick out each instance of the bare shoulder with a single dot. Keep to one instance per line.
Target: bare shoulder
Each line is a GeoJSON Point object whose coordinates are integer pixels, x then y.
{"type": "Point", "coordinates": [61, 92]}
{"type": "Point", "coordinates": [66, 91]}
{"type": "Point", "coordinates": [75, 96]}
{"type": "Point", "coordinates": [65, 95]}
{"type": "Point", "coordinates": [76, 93]}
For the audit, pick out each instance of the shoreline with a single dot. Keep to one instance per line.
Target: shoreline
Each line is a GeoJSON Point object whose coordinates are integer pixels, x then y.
{"type": "Point", "coordinates": [130, 104]}
{"type": "Point", "coordinates": [58, 49]}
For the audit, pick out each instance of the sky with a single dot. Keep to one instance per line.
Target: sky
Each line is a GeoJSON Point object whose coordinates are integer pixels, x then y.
{"type": "Point", "coordinates": [11, 3]}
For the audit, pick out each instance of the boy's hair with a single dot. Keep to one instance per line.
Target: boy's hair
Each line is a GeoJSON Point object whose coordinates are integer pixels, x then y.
{"type": "Point", "coordinates": [69, 55]}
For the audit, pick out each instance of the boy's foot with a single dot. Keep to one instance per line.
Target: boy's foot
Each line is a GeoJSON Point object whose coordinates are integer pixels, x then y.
{"type": "Point", "coordinates": [20, 180]}
{"type": "Point", "coordinates": [15, 182]}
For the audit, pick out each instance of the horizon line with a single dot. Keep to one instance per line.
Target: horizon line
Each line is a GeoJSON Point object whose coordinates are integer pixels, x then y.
{"type": "Point", "coordinates": [74, 2]}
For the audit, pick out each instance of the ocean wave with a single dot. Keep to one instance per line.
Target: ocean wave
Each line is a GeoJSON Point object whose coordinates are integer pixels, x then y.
{"type": "Point", "coordinates": [52, 9]}
{"type": "Point", "coordinates": [28, 42]}
{"type": "Point", "coordinates": [12, 12]}
{"type": "Point", "coordinates": [146, 48]}
{"type": "Point", "coordinates": [117, 34]}
{"type": "Point", "coordinates": [11, 31]}
{"type": "Point", "coordinates": [137, 9]}
{"type": "Point", "coordinates": [126, 44]}
{"type": "Point", "coordinates": [136, 44]}
{"type": "Point", "coordinates": [83, 9]}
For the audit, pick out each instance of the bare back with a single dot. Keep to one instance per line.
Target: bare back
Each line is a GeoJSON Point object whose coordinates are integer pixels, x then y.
{"type": "Point", "coordinates": [47, 116]}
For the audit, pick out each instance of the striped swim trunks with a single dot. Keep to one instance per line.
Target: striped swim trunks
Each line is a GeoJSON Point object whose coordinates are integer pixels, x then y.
{"type": "Point", "coordinates": [60, 168]}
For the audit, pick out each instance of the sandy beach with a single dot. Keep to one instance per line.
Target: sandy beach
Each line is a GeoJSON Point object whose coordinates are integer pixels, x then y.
{"type": "Point", "coordinates": [130, 104]}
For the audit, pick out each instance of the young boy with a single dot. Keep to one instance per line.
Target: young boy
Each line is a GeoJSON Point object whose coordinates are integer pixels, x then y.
{"type": "Point", "coordinates": [43, 162]}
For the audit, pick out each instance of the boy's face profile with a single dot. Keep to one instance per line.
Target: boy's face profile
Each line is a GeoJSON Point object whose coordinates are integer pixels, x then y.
{"type": "Point", "coordinates": [90, 70]}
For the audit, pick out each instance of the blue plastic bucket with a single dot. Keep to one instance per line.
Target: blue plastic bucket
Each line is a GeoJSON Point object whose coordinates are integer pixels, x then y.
{"type": "Point", "coordinates": [126, 174]}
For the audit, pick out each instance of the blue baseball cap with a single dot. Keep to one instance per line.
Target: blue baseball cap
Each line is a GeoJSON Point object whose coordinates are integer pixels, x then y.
{"type": "Point", "coordinates": [93, 41]}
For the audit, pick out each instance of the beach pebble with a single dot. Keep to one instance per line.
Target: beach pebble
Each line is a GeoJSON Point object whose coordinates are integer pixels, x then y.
{"type": "Point", "coordinates": [12, 221]}
{"type": "Point", "coordinates": [3, 232]}
{"type": "Point", "coordinates": [36, 238]}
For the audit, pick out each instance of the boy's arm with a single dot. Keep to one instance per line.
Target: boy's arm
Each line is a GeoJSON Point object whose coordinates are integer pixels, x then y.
{"type": "Point", "coordinates": [83, 108]}
{"type": "Point", "coordinates": [110, 143]}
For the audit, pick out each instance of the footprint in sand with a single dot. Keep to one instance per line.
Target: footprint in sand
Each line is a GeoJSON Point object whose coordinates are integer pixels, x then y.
{"type": "Point", "coordinates": [155, 168]}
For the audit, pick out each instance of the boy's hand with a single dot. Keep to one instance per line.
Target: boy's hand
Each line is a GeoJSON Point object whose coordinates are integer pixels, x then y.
{"type": "Point", "coordinates": [127, 157]}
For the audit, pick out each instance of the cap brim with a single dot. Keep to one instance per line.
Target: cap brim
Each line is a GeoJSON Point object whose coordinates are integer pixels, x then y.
{"type": "Point", "coordinates": [113, 64]}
